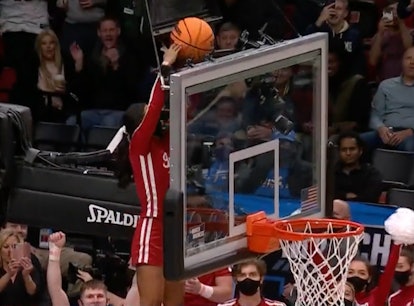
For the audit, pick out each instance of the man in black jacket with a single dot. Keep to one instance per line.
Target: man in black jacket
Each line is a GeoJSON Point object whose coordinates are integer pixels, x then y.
{"type": "Point", "coordinates": [355, 180]}
{"type": "Point", "coordinates": [111, 73]}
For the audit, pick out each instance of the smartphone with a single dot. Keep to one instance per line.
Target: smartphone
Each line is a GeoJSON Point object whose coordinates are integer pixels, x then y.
{"type": "Point", "coordinates": [20, 250]}
{"type": "Point", "coordinates": [329, 2]}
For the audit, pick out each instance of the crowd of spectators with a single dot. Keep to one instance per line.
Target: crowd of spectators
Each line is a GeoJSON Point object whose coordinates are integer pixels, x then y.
{"type": "Point", "coordinates": [84, 62]}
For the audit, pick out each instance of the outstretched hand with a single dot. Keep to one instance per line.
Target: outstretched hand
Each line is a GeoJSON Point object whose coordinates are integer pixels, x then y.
{"type": "Point", "coordinates": [170, 54]}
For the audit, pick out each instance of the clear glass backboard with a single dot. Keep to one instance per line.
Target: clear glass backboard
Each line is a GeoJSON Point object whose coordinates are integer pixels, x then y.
{"type": "Point", "coordinates": [248, 133]}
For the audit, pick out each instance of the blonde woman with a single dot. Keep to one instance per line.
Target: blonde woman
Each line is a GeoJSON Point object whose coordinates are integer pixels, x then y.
{"type": "Point", "coordinates": [20, 282]}
{"type": "Point", "coordinates": [51, 80]}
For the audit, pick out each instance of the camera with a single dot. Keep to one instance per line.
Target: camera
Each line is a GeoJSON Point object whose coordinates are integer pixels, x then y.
{"type": "Point", "coordinates": [268, 105]}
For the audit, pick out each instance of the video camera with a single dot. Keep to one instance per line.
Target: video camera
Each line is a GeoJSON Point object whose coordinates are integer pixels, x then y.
{"type": "Point", "coordinates": [269, 105]}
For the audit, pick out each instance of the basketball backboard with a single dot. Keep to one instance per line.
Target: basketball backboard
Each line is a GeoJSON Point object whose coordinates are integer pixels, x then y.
{"type": "Point", "coordinates": [248, 133]}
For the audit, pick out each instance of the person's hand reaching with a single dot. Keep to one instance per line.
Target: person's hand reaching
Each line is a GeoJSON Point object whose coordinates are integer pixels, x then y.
{"type": "Point", "coordinates": [170, 54]}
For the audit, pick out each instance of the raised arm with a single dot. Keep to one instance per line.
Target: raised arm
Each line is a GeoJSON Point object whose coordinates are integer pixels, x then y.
{"type": "Point", "coordinates": [144, 132]}
{"type": "Point", "coordinates": [54, 275]}
{"type": "Point", "coordinates": [142, 135]}
{"type": "Point", "coordinates": [386, 278]}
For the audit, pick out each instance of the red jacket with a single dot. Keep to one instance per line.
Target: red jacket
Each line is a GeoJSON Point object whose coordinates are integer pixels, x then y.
{"type": "Point", "coordinates": [378, 295]}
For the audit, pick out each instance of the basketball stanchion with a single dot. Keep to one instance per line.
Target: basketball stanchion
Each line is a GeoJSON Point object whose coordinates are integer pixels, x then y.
{"type": "Point", "coordinates": [319, 253]}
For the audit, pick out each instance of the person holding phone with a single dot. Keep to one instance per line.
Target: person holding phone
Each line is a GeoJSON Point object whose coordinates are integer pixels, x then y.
{"type": "Point", "coordinates": [332, 20]}
{"type": "Point", "coordinates": [389, 43]}
{"type": "Point", "coordinates": [20, 282]}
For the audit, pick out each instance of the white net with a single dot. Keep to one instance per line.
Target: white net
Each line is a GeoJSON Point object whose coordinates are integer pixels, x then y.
{"type": "Point", "coordinates": [320, 265]}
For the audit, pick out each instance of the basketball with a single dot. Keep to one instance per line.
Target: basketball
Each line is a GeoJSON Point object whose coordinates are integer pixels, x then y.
{"type": "Point", "coordinates": [195, 37]}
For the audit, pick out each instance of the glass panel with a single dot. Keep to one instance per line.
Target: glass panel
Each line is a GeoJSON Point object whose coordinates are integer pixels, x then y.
{"type": "Point", "coordinates": [254, 185]}
{"type": "Point", "coordinates": [231, 136]}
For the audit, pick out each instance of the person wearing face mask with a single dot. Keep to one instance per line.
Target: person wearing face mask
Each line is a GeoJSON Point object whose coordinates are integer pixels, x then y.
{"type": "Point", "coordinates": [249, 276]}
{"type": "Point", "coordinates": [404, 276]}
{"type": "Point", "coordinates": [349, 295]}
{"type": "Point", "coordinates": [360, 276]}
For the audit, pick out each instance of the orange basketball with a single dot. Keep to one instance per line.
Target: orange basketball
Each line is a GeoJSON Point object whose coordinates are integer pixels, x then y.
{"type": "Point", "coordinates": [195, 37]}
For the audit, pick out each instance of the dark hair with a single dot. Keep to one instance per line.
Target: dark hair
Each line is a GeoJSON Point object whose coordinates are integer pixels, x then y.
{"type": "Point", "coordinates": [227, 26]}
{"type": "Point", "coordinates": [390, 2]}
{"type": "Point", "coordinates": [132, 119]}
{"type": "Point", "coordinates": [353, 135]}
{"type": "Point", "coordinates": [259, 263]}
{"type": "Point", "coordinates": [108, 18]}
{"type": "Point", "coordinates": [408, 252]}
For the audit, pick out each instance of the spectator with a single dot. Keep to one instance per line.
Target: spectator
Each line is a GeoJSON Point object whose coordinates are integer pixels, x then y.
{"type": "Point", "coordinates": [349, 296]}
{"type": "Point", "coordinates": [360, 276]}
{"type": "Point", "coordinates": [404, 276]}
{"type": "Point", "coordinates": [341, 210]}
{"type": "Point", "coordinates": [355, 180]}
{"type": "Point", "coordinates": [209, 289]}
{"type": "Point", "coordinates": [224, 118]}
{"type": "Point", "coordinates": [55, 80]}
{"type": "Point", "coordinates": [349, 94]}
{"type": "Point", "coordinates": [389, 43]}
{"type": "Point", "coordinates": [20, 23]}
{"type": "Point", "coordinates": [20, 280]}
{"type": "Point", "coordinates": [332, 20]}
{"type": "Point", "coordinates": [82, 17]}
{"type": "Point", "coordinates": [392, 114]}
{"type": "Point", "coordinates": [249, 277]}
{"type": "Point", "coordinates": [68, 254]}
{"type": "Point", "coordinates": [227, 36]}
{"type": "Point", "coordinates": [252, 15]}
{"type": "Point", "coordinates": [93, 292]}
{"type": "Point", "coordinates": [113, 74]}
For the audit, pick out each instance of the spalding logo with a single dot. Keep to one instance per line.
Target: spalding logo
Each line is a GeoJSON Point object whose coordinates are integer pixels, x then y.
{"type": "Point", "coordinates": [99, 214]}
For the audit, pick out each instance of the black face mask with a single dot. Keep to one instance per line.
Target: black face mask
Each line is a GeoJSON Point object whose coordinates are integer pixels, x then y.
{"type": "Point", "coordinates": [402, 277]}
{"type": "Point", "coordinates": [348, 303]}
{"type": "Point", "coordinates": [248, 286]}
{"type": "Point", "coordinates": [358, 283]}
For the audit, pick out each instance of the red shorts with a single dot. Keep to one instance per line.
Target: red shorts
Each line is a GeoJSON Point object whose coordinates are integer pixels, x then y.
{"type": "Point", "coordinates": [147, 244]}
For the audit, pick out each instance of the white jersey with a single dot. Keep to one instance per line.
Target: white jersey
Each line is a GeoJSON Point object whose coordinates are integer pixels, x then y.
{"type": "Point", "coordinates": [23, 16]}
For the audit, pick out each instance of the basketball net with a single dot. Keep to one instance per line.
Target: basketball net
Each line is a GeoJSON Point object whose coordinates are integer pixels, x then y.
{"type": "Point", "coordinates": [320, 264]}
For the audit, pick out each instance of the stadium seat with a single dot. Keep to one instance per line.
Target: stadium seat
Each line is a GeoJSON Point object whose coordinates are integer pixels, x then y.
{"type": "Point", "coordinates": [396, 167]}
{"type": "Point", "coordinates": [56, 137]}
{"type": "Point", "coordinates": [401, 197]}
{"type": "Point", "coordinates": [99, 137]}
